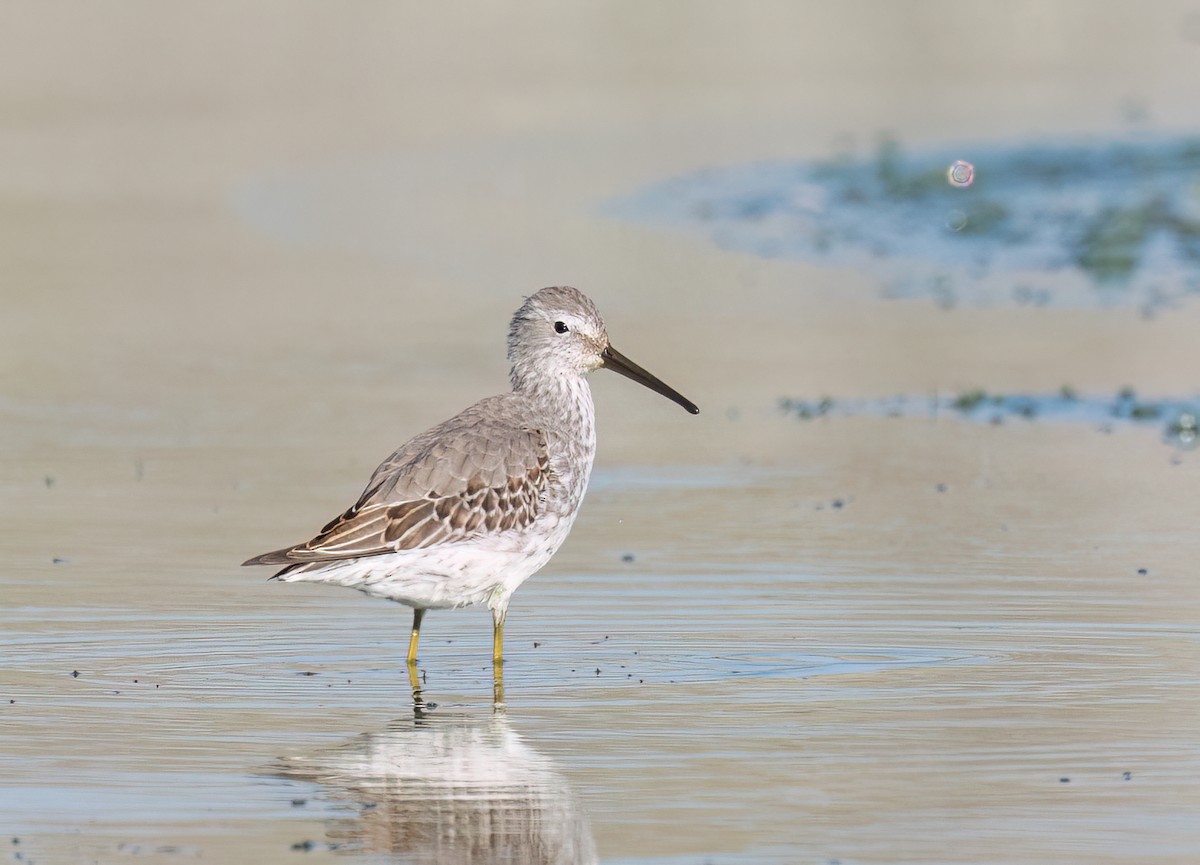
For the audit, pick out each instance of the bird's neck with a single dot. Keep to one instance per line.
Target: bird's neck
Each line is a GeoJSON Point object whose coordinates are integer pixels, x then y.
{"type": "Point", "coordinates": [567, 402]}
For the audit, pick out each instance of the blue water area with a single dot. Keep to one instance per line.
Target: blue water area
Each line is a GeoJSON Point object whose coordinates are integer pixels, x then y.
{"type": "Point", "coordinates": [1179, 419]}
{"type": "Point", "coordinates": [1046, 224]}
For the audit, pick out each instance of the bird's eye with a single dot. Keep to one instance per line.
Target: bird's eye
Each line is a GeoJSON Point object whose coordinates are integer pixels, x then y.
{"type": "Point", "coordinates": [560, 327]}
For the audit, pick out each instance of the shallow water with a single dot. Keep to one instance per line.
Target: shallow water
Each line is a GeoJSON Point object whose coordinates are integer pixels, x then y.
{"type": "Point", "coordinates": [236, 284]}
{"type": "Point", "coordinates": [1107, 221]}
{"type": "Point", "coordinates": [809, 681]}
{"type": "Point", "coordinates": [1176, 419]}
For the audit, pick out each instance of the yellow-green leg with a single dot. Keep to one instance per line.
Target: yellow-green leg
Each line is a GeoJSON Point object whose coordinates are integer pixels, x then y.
{"type": "Point", "coordinates": [415, 638]}
{"type": "Point", "coordinates": [498, 660]}
{"type": "Point", "coordinates": [419, 705]}
{"type": "Point", "coordinates": [498, 643]}
{"type": "Point", "coordinates": [414, 679]}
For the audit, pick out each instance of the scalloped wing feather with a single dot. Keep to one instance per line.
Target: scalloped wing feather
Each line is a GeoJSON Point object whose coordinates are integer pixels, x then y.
{"type": "Point", "coordinates": [479, 473]}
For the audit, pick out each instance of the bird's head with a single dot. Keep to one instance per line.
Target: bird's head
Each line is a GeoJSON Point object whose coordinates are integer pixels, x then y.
{"type": "Point", "coordinates": [559, 332]}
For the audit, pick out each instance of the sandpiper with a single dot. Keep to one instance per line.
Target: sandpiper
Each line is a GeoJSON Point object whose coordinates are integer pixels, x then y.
{"type": "Point", "coordinates": [467, 511]}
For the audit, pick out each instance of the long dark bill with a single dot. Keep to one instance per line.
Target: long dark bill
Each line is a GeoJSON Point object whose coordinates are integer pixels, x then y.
{"type": "Point", "coordinates": [618, 362]}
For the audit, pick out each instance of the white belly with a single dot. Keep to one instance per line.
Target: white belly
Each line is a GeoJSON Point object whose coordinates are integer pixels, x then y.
{"type": "Point", "coordinates": [483, 570]}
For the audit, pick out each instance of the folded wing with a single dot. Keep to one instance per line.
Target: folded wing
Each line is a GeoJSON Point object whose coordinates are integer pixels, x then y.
{"type": "Point", "coordinates": [472, 476]}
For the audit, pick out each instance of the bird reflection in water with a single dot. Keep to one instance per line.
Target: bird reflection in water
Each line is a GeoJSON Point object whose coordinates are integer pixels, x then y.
{"type": "Point", "coordinates": [448, 790]}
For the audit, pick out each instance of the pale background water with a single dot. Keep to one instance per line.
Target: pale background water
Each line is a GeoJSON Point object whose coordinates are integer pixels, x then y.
{"type": "Point", "coordinates": [248, 248]}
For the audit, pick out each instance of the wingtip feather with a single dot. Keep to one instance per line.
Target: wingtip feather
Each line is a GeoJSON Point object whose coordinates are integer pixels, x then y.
{"type": "Point", "coordinates": [275, 557]}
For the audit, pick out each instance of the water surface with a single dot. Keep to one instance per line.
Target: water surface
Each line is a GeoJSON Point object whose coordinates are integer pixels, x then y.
{"type": "Point", "coordinates": [245, 255]}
